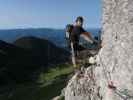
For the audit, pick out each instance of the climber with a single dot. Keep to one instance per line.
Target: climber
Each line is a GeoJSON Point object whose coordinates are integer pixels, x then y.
{"type": "Point", "coordinates": [78, 31]}
{"type": "Point", "coordinates": [73, 33]}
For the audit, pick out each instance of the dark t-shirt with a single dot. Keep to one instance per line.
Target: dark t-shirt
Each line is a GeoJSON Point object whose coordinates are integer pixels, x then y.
{"type": "Point", "coordinates": [76, 32]}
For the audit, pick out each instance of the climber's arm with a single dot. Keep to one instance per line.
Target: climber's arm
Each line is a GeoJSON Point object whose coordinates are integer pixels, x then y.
{"type": "Point", "coordinates": [87, 36]}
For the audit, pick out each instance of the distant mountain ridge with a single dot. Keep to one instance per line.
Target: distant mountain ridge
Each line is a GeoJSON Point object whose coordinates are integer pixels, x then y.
{"type": "Point", "coordinates": [54, 35]}
{"type": "Point", "coordinates": [19, 60]}
{"type": "Point", "coordinates": [42, 48]}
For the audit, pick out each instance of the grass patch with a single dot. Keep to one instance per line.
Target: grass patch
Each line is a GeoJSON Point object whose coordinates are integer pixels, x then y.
{"type": "Point", "coordinates": [50, 85]}
{"type": "Point", "coordinates": [54, 73]}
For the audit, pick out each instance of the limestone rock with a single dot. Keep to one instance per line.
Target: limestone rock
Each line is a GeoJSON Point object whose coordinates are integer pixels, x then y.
{"type": "Point", "coordinates": [82, 86]}
{"type": "Point", "coordinates": [114, 60]}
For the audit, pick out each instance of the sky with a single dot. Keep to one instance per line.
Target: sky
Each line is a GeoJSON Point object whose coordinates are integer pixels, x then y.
{"type": "Point", "coordinates": [48, 13]}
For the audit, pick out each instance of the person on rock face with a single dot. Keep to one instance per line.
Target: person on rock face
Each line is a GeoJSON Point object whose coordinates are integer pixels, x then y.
{"type": "Point", "coordinates": [78, 31]}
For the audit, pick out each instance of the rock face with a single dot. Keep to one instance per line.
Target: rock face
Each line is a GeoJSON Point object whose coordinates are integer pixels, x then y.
{"type": "Point", "coordinates": [83, 86]}
{"type": "Point", "coordinates": [113, 72]}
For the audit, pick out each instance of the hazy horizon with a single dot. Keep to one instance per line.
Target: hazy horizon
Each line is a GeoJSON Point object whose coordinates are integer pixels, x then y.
{"type": "Point", "coordinates": [10, 35]}
{"type": "Point", "coordinates": [26, 28]}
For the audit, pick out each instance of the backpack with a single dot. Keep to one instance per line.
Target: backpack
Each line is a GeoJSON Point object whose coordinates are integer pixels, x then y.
{"type": "Point", "coordinates": [69, 28]}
